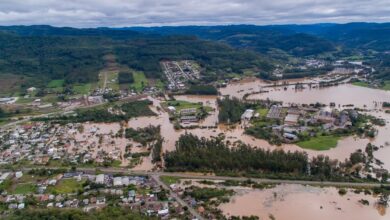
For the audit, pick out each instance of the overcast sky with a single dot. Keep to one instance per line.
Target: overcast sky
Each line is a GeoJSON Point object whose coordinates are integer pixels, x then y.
{"type": "Point", "coordinates": [120, 13]}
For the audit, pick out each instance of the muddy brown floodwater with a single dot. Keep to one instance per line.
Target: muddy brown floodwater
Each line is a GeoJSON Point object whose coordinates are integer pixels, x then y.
{"type": "Point", "coordinates": [342, 94]}
{"type": "Point", "coordinates": [290, 201]}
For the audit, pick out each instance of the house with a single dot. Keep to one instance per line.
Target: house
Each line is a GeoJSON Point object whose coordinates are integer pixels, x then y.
{"type": "Point", "coordinates": [18, 174]}
{"type": "Point", "coordinates": [100, 201]}
{"type": "Point", "coordinates": [118, 181]}
{"type": "Point", "coordinates": [163, 212]}
{"type": "Point", "coordinates": [248, 114]}
{"type": "Point", "coordinates": [21, 206]}
{"type": "Point", "coordinates": [5, 176]}
{"type": "Point", "coordinates": [100, 179]}
{"type": "Point", "coordinates": [291, 119]}
{"type": "Point", "coordinates": [324, 116]}
{"type": "Point", "coordinates": [188, 111]}
{"type": "Point", "coordinates": [8, 100]}
{"type": "Point", "coordinates": [171, 109]}
{"type": "Point", "coordinates": [188, 118]}
{"type": "Point", "coordinates": [274, 112]}
{"type": "Point", "coordinates": [31, 89]}
{"type": "Point", "coordinates": [290, 136]}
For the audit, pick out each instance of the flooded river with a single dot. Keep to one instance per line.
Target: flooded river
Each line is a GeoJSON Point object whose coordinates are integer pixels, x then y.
{"type": "Point", "coordinates": [344, 94]}
{"type": "Point", "coordinates": [290, 201]}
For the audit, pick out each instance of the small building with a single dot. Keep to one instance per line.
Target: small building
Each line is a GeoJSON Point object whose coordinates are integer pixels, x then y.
{"type": "Point", "coordinates": [100, 179]}
{"type": "Point", "coordinates": [18, 174]}
{"type": "Point", "coordinates": [31, 89]}
{"type": "Point", "coordinates": [290, 136]}
{"type": "Point", "coordinates": [324, 116]}
{"type": "Point", "coordinates": [9, 100]}
{"type": "Point", "coordinates": [291, 119]}
{"type": "Point", "coordinates": [118, 181]}
{"type": "Point", "coordinates": [189, 118]}
{"type": "Point", "coordinates": [248, 114]}
{"type": "Point", "coordinates": [188, 111]}
{"type": "Point", "coordinates": [274, 112]}
{"type": "Point", "coordinates": [171, 109]}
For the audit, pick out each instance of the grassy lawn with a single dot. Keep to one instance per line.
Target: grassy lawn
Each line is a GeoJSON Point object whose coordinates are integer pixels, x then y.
{"type": "Point", "coordinates": [179, 105]}
{"type": "Point", "coordinates": [56, 83]}
{"type": "Point", "coordinates": [262, 111]}
{"type": "Point", "coordinates": [168, 180]}
{"type": "Point", "coordinates": [140, 81]}
{"type": "Point", "coordinates": [82, 88]}
{"type": "Point", "coordinates": [319, 143]}
{"type": "Point", "coordinates": [24, 188]}
{"type": "Point", "coordinates": [387, 85]}
{"type": "Point", "coordinates": [363, 84]}
{"type": "Point", "coordinates": [50, 98]}
{"type": "Point", "coordinates": [157, 83]}
{"type": "Point", "coordinates": [66, 186]}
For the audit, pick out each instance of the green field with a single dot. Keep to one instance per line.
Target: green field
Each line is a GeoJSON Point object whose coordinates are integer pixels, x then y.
{"type": "Point", "coordinates": [168, 180]}
{"type": "Point", "coordinates": [66, 186]}
{"type": "Point", "coordinates": [140, 81]}
{"type": "Point", "coordinates": [82, 88]}
{"type": "Point", "coordinates": [179, 105]}
{"type": "Point", "coordinates": [24, 188]}
{"type": "Point", "coordinates": [56, 83]}
{"type": "Point", "coordinates": [363, 84]}
{"type": "Point", "coordinates": [319, 143]}
{"type": "Point", "coordinates": [262, 111]}
{"type": "Point", "coordinates": [386, 85]}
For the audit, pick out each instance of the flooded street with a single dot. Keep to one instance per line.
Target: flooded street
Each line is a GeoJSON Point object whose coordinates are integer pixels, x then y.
{"type": "Point", "coordinates": [360, 96]}
{"type": "Point", "coordinates": [285, 202]}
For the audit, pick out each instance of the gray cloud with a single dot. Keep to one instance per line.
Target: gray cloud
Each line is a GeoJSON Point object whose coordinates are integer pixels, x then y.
{"type": "Point", "coordinates": [119, 13]}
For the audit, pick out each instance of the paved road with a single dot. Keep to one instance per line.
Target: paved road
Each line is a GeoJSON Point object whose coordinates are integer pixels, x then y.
{"type": "Point", "coordinates": [209, 177]}
{"type": "Point", "coordinates": [176, 197]}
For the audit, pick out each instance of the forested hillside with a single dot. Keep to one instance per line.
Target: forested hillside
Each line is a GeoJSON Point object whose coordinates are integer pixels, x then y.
{"type": "Point", "coordinates": [258, 38]}
{"type": "Point", "coordinates": [76, 55]}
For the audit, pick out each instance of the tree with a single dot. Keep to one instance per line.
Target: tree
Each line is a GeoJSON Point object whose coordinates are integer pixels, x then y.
{"type": "Point", "coordinates": [125, 77]}
{"type": "Point", "coordinates": [2, 113]}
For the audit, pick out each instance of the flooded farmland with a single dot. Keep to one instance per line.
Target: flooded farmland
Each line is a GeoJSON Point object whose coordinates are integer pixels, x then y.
{"type": "Point", "coordinates": [344, 94]}
{"type": "Point", "coordinates": [290, 201]}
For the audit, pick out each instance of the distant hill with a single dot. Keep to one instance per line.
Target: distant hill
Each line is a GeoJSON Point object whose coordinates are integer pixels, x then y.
{"type": "Point", "coordinates": [42, 53]}
{"type": "Point", "coordinates": [318, 38]}
{"type": "Point", "coordinates": [374, 36]}
{"type": "Point", "coordinates": [46, 30]}
{"type": "Point", "coordinates": [259, 38]}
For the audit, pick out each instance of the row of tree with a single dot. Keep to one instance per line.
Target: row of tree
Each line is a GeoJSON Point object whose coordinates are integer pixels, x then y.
{"type": "Point", "coordinates": [217, 155]}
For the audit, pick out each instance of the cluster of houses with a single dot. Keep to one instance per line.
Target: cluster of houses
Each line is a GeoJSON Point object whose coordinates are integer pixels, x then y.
{"type": "Point", "coordinates": [294, 119]}
{"type": "Point", "coordinates": [178, 73]}
{"type": "Point", "coordinates": [41, 142]}
{"type": "Point", "coordinates": [187, 115]}
{"type": "Point", "coordinates": [135, 192]}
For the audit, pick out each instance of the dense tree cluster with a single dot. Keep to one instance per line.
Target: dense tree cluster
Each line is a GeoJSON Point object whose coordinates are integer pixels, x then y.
{"type": "Point", "coordinates": [202, 90]}
{"type": "Point", "coordinates": [125, 77]}
{"type": "Point", "coordinates": [215, 155]}
{"type": "Point", "coordinates": [2, 113]}
{"type": "Point", "coordinates": [143, 135]}
{"type": "Point", "coordinates": [76, 214]}
{"type": "Point", "coordinates": [157, 150]}
{"type": "Point", "coordinates": [230, 110]}
{"type": "Point", "coordinates": [195, 154]}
